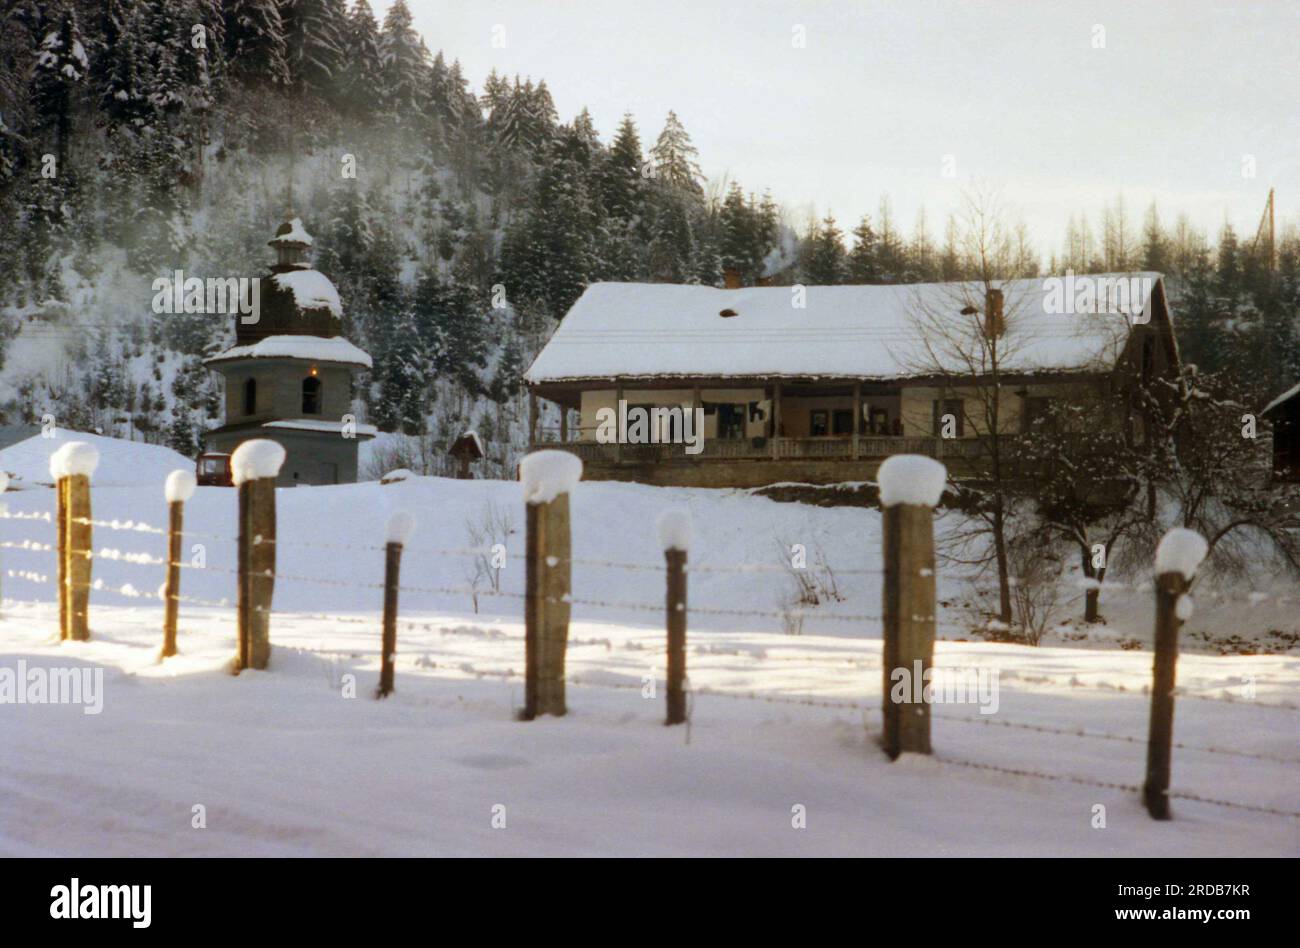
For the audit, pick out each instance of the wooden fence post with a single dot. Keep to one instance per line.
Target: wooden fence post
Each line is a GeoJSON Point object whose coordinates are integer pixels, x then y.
{"type": "Point", "coordinates": [1177, 557]}
{"type": "Point", "coordinates": [548, 477]}
{"type": "Point", "coordinates": [80, 545]}
{"type": "Point", "coordinates": [61, 544]}
{"type": "Point", "coordinates": [72, 466]}
{"type": "Point", "coordinates": [675, 537]}
{"type": "Point", "coordinates": [910, 487]}
{"type": "Point", "coordinates": [4, 486]}
{"type": "Point", "coordinates": [178, 489]}
{"type": "Point", "coordinates": [254, 467]}
{"type": "Point", "coordinates": [400, 525]}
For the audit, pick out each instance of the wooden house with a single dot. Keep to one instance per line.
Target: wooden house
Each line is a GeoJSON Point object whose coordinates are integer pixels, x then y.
{"type": "Point", "coordinates": [749, 386]}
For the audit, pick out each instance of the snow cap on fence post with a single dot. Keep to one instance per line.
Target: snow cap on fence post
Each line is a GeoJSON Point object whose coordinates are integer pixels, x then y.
{"type": "Point", "coordinates": [675, 528]}
{"type": "Point", "coordinates": [548, 474]}
{"type": "Point", "coordinates": [256, 459]}
{"type": "Point", "coordinates": [911, 479]}
{"type": "Point", "coordinates": [1181, 551]}
{"type": "Point", "coordinates": [74, 457]}
{"type": "Point", "coordinates": [400, 526]}
{"type": "Point", "coordinates": [180, 486]}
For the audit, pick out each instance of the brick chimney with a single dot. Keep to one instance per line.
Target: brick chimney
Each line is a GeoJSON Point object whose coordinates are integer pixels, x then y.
{"type": "Point", "coordinates": [994, 322]}
{"type": "Point", "coordinates": [731, 278]}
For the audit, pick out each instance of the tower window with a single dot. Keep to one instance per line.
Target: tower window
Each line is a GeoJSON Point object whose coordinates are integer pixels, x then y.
{"type": "Point", "coordinates": [311, 395]}
{"type": "Point", "coordinates": [250, 397]}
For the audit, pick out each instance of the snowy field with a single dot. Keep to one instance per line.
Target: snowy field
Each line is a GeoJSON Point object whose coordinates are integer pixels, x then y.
{"type": "Point", "coordinates": [285, 763]}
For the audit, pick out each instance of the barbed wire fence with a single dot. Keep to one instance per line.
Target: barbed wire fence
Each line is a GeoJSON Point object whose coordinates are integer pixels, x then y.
{"type": "Point", "coordinates": [649, 645]}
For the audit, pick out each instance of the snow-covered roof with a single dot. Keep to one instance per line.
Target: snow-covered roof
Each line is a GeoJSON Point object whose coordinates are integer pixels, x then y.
{"type": "Point", "coordinates": [470, 437]}
{"type": "Point", "coordinates": [311, 348]}
{"type": "Point", "coordinates": [1284, 397]}
{"type": "Point", "coordinates": [291, 232]}
{"type": "Point", "coordinates": [637, 330]}
{"type": "Point", "coordinates": [311, 289]}
{"type": "Point", "coordinates": [313, 424]}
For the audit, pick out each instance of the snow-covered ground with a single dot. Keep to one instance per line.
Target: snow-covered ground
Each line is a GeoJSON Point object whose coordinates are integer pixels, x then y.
{"type": "Point", "coordinates": [284, 762]}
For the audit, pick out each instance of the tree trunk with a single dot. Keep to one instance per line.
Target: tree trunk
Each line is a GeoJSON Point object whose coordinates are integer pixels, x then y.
{"type": "Point", "coordinates": [1000, 552]}
{"type": "Point", "coordinates": [1091, 596]}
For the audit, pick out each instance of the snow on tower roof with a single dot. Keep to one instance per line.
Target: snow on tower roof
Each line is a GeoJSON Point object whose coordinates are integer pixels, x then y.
{"type": "Point", "coordinates": [638, 330]}
{"type": "Point", "coordinates": [311, 289]}
{"type": "Point", "coordinates": [291, 232]}
{"type": "Point", "coordinates": [309, 348]}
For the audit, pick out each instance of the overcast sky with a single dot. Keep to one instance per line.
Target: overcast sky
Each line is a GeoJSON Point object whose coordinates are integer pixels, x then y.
{"type": "Point", "coordinates": [1015, 92]}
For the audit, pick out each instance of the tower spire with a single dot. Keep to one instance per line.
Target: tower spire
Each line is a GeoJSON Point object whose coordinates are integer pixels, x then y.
{"type": "Point", "coordinates": [293, 164]}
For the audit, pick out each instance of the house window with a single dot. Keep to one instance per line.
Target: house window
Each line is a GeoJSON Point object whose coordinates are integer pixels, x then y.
{"type": "Point", "coordinates": [949, 406]}
{"type": "Point", "coordinates": [818, 424]}
{"type": "Point", "coordinates": [1036, 409]}
{"type": "Point", "coordinates": [311, 395]}
{"type": "Point", "coordinates": [842, 421]}
{"type": "Point", "coordinates": [731, 421]}
{"type": "Point", "coordinates": [250, 397]}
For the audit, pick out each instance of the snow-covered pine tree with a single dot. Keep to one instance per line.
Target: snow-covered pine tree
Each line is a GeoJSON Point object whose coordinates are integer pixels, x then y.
{"type": "Point", "coordinates": [622, 185]}
{"type": "Point", "coordinates": [672, 247]}
{"type": "Point", "coordinates": [402, 402]}
{"type": "Point", "coordinates": [676, 159]}
{"type": "Point", "coordinates": [61, 69]}
{"type": "Point", "coordinates": [823, 256]}
{"type": "Point", "coordinates": [739, 240]}
{"type": "Point", "coordinates": [255, 45]}
{"type": "Point", "coordinates": [314, 40]}
{"type": "Point", "coordinates": [363, 74]}
{"type": "Point", "coordinates": [452, 329]}
{"type": "Point", "coordinates": [860, 265]}
{"type": "Point", "coordinates": [405, 67]}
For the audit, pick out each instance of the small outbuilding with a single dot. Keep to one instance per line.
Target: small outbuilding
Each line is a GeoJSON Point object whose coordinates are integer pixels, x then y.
{"type": "Point", "coordinates": [1283, 413]}
{"type": "Point", "coordinates": [466, 450]}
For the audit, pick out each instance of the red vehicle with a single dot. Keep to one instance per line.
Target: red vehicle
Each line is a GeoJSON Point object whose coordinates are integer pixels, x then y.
{"type": "Point", "coordinates": [213, 470]}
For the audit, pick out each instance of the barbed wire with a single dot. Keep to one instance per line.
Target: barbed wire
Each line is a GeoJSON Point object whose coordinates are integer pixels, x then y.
{"type": "Point", "coordinates": [27, 545]}
{"type": "Point", "coordinates": [130, 526]}
{"type": "Point", "coordinates": [989, 720]}
{"type": "Point", "coordinates": [42, 515]}
{"type": "Point", "coordinates": [1032, 677]}
{"type": "Point", "coordinates": [1109, 785]}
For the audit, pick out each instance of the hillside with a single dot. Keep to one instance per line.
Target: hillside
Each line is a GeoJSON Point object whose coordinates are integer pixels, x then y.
{"type": "Point", "coordinates": [459, 221]}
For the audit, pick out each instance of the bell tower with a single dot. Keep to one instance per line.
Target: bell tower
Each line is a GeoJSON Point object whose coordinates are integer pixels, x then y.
{"type": "Point", "coordinates": [289, 375]}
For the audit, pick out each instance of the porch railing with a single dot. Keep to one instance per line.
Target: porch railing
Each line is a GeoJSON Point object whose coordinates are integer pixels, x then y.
{"type": "Point", "coordinates": [835, 448]}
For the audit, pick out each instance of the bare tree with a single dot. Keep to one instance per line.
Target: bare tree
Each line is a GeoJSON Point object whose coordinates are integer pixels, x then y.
{"type": "Point", "coordinates": [978, 339]}
{"type": "Point", "coordinates": [1213, 469]}
{"type": "Point", "coordinates": [965, 334]}
{"type": "Point", "coordinates": [1085, 473]}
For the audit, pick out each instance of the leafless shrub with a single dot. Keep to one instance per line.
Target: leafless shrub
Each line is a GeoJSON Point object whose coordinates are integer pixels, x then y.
{"type": "Point", "coordinates": [1036, 586]}
{"type": "Point", "coordinates": [812, 583]}
{"type": "Point", "coordinates": [791, 608]}
{"type": "Point", "coordinates": [490, 530]}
